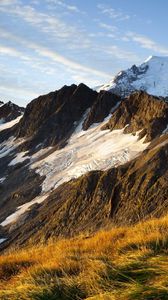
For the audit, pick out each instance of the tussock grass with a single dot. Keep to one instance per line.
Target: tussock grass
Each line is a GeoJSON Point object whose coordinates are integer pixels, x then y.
{"type": "Point", "coordinates": [124, 263]}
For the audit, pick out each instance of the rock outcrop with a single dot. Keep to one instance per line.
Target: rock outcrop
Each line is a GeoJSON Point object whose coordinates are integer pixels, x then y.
{"type": "Point", "coordinates": [101, 108]}
{"type": "Point", "coordinates": [51, 119]}
{"type": "Point", "coordinates": [140, 112]}
{"type": "Point", "coordinates": [10, 111]}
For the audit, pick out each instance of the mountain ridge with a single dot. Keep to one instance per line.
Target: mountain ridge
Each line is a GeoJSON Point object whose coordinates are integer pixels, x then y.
{"type": "Point", "coordinates": [77, 184]}
{"type": "Point", "coordinates": [151, 76]}
{"type": "Point", "coordinates": [79, 160]}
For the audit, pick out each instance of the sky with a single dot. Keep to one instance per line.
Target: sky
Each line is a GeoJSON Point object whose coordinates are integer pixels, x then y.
{"type": "Point", "coordinates": [45, 44]}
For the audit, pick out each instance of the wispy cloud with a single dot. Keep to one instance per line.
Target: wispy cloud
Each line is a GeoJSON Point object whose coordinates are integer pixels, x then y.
{"type": "Point", "coordinates": [50, 37]}
{"type": "Point", "coordinates": [111, 31]}
{"type": "Point", "coordinates": [113, 13]}
{"type": "Point", "coordinates": [54, 26]}
{"type": "Point", "coordinates": [66, 62]}
{"type": "Point", "coordinates": [9, 2]}
{"type": "Point", "coordinates": [146, 43]}
{"type": "Point", "coordinates": [19, 91]}
{"type": "Point", "coordinates": [74, 38]}
{"type": "Point", "coordinates": [13, 52]}
{"type": "Point", "coordinates": [48, 53]}
{"type": "Point", "coordinates": [120, 53]}
{"type": "Point", "coordinates": [108, 27]}
{"type": "Point", "coordinates": [71, 8]}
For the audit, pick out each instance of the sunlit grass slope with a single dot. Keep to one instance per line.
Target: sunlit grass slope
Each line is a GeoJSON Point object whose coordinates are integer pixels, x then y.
{"type": "Point", "coordinates": [121, 264]}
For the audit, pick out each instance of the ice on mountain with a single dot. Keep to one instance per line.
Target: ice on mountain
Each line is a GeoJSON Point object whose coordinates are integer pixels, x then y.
{"type": "Point", "coordinates": [151, 76]}
{"type": "Point", "coordinates": [9, 146]}
{"type": "Point", "coordinates": [94, 149]}
{"type": "Point", "coordinates": [10, 124]}
{"type": "Point", "coordinates": [20, 157]}
{"type": "Point", "coordinates": [22, 209]}
{"type": "Point", "coordinates": [2, 179]}
{"type": "Point", "coordinates": [2, 240]}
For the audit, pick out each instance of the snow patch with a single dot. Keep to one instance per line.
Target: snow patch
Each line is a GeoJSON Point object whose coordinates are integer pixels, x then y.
{"type": "Point", "coordinates": [2, 240]}
{"type": "Point", "coordinates": [21, 210]}
{"type": "Point", "coordinates": [94, 149]}
{"type": "Point", "coordinates": [165, 130]}
{"type": "Point", "coordinates": [10, 124]}
{"type": "Point", "coordinates": [10, 145]}
{"type": "Point", "coordinates": [20, 157]}
{"type": "Point", "coordinates": [79, 127]}
{"type": "Point", "coordinates": [2, 179]}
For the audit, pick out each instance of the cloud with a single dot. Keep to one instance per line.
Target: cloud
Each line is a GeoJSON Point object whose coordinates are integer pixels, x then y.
{"type": "Point", "coordinates": [53, 26]}
{"type": "Point", "coordinates": [35, 2]}
{"type": "Point", "coordinates": [74, 38]}
{"type": "Point", "coordinates": [111, 31]}
{"type": "Point", "coordinates": [113, 13]}
{"type": "Point", "coordinates": [146, 43]}
{"type": "Point", "coordinates": [13, 52]}
{"type": "Point", "coordinates": [71, 8]}
{"type": "Point", "coordinates": [108, 27]}
{"type": "Point", "coordinates": [48, 45]}
{"type": "Point", "coordinates": [16, 93]}
{"type": "Point", "coordinates": [70, 64]}
{"type": "Point", "coordinates": [19, 90]}
{"type": "Point", "coordinates": [120, 53]}
{"type": "Point", "coordinates": [9, 2]}
{"type": "Point", "coordinates": [53, 56]}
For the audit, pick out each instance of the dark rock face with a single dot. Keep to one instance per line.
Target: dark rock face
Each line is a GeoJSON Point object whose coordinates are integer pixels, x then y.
{"type": "Point", "coordinates": [141, 111]}
{"type": "Point", "coordinates": [21, 186]}
{"type": "Point", "coordinates": [130, 76]}
{"type": "Point", "coordinates": [10, 111]}
{"type": "Point", "coordinates": [136, 71]}
{"type": "Point", "coordinates": [101, 108]}
{"type": "Point", "coordinates": [50, 119]}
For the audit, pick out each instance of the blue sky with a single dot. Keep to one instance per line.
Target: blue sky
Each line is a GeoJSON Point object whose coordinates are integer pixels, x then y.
{"type": "Point", "coordinates": [45, 44]}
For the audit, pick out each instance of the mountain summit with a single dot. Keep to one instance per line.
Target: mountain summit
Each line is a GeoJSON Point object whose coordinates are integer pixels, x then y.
{"type": "Point", "coordinates": [78, 160]}
{"type": "Point", "coordinates": [151, 77]}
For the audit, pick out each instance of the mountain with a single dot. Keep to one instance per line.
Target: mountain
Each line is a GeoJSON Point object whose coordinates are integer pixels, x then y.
{"type": "Point", "coordinates": [78, 161]}
{"type": "Point", "coordinates": [84, 192]}
{"type": "Point", "coordinates": [10, 114]}
{"type": "Point", "coordinates": [9, 111]}
{"type": "Point", "coordinates": [151, 77]}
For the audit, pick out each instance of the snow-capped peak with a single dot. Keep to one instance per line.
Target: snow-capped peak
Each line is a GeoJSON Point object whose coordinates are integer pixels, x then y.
{"type": "Point", "coordinates": [151, 76]}
{"type": "Point", "coordinates": [156, 58]}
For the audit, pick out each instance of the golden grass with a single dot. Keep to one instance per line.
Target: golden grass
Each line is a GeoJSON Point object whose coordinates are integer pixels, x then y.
{"type": "Point", "coordinates": [124, 263]}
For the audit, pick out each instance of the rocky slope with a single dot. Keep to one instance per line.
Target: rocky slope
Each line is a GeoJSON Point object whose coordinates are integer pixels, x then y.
{"type": "Point", "coordinates": [140, 112]}
{"type": "Point", "coordinates": [78, 161]}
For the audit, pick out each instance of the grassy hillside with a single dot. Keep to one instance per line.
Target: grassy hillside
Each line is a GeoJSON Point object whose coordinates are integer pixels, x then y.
{"type": "Point", "coordinates": [124, 263]}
